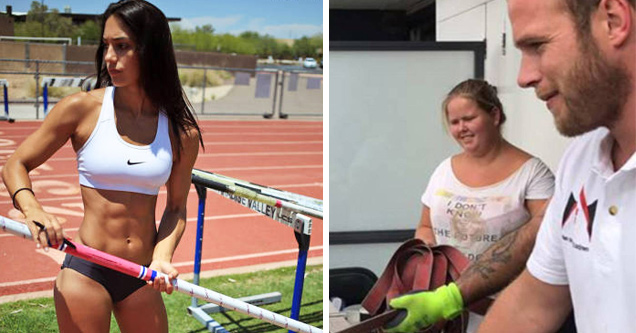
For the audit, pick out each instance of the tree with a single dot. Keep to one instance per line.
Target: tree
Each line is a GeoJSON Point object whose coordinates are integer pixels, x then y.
{"type": "Point", "coordinates": [303, 48]}
{"type": "Point", "coordinates": [202, 38]}
{"type": "Point", "coordinates": [206, 29]}
{"type": "Point", "coordinates": [285, 52]}
{"type": "Point", "coordinates": [43, 23]}
{"type": "Point", "coordinates": [316, 42]}
{"type": "Point", "coordinates": [57, 26]}
{"type": "Point", "coordinates": [267, 46]}
{"type": "Point", "coordinates": [89, 31]}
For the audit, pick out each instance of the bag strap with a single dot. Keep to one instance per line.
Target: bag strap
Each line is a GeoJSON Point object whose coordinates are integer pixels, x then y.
{"type": "Point", "coordinates": [373, 323]}
{"type": "Point", "coordinates": [415, 266]}
{"type": "Point", "coordinates": [384, 286]}
{"type": "Point", "coordinates": [458, 264]}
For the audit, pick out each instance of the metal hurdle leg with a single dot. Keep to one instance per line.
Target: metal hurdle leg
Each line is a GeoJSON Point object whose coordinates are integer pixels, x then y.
{"type": "Point", "coordinates": [45, 96]}
{"type": "Point", "coordinates": [202, 194]}
{"type": "Point", "coordinates": [6, 100]}
{"type": "Point", "coordinates": [201, 312]}
{"type": "Point", "coordinates": [271, 115]}
{"type": "Point", "coordinates": [282, 115]}
{"type": "Point", "coordinates": [6, 117]}
{"type": "Point", "coordinates": [303, 248]}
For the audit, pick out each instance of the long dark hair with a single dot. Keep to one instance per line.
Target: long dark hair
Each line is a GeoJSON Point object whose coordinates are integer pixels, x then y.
{"type": "Point", "coordinates": [158, 75]}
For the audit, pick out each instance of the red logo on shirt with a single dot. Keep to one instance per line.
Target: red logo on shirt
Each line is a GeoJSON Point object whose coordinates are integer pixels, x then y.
{"type": "Point", "coordinates": [572, 207]}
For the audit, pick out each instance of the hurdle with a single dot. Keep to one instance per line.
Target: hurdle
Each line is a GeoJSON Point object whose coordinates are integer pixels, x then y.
{"type": "Point", "coordinates": [5, 86]}
{"type": "Point", "coordinates": [77, 82]}
{"type": "Point", "coordinates": [292, 210]}
{"type": "Point", "coordinates": [147, 274]}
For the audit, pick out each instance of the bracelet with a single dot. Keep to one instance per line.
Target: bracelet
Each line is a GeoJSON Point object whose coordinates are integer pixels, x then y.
{"type": "Point", "coordinates": [16, 193]}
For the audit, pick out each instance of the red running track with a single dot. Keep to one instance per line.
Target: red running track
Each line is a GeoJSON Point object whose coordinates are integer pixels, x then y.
{"type": "Point", "coordinates": [282, 154]}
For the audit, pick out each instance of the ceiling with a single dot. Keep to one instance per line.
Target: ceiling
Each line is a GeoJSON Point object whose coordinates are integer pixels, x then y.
{"type": "Point", "coordinates": [407, 5]}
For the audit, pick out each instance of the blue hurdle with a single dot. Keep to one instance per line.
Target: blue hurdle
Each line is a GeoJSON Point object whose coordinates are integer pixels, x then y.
{"type": "Point", "coordinates": [5, 89]}
{"type": "Point", "coordinates": [284, 207]}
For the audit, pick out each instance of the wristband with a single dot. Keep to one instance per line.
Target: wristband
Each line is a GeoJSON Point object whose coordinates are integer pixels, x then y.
{"type": "Point", "coordinates": [16, 193]}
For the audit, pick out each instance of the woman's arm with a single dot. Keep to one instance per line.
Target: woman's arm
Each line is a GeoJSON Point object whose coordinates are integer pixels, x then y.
{"type": "Point", "coordinates": [536, 207]}
{"type": "Point", "coordinates": [59, 125]}
{"type": "Point", "coordinates": [173, 221]}
{"type": "Point", "coordinates": [424, 229]}
{"type": "Point", "coordinates": [503, 261]}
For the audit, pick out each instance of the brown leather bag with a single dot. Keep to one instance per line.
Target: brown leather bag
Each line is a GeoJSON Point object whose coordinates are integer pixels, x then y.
{"type": "Point", "coordinates": [414, 267]}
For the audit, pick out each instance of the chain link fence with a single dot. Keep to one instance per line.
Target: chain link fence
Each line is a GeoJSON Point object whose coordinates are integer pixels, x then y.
{"type": "Point", "coordinates": [268, 92]}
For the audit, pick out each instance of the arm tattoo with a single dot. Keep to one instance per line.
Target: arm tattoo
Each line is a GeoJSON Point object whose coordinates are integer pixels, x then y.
{"type": "Point", "coordinates": [500, 253]}
{"type": "Point", "coordinates": [499, 265]}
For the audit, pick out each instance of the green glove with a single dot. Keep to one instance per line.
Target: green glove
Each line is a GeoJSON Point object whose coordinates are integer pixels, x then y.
{"type": "Point", "coordinates": [427, 308]}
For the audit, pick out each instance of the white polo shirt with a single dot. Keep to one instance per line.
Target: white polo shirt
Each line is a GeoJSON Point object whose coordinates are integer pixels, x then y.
{"type": "Point", "coordinates": [588, 237]}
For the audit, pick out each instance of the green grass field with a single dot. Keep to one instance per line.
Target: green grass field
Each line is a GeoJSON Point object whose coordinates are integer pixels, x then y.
{"type": "Point", "coordinates": [38, 315]}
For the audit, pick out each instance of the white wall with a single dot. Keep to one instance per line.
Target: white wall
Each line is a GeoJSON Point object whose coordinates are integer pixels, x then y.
{"type": "Point", "coordinates": [386, 133]}
{"type": "Point", "coordinates": [470, 29]}
{"type": "Point", "coordinates": [530, 125]}
{"type": "Point", "coordinates": [386, 137]}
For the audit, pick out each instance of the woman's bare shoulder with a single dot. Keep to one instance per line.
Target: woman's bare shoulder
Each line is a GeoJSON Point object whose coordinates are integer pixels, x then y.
{"type": "Point", "coordinates": [81, 103]}
{"type": "Point", "coordinates": [519, 155]}
{"type": "Point", "coordinates": [75, 108]}
{"type": "Point", "coordinates": [189, 135]}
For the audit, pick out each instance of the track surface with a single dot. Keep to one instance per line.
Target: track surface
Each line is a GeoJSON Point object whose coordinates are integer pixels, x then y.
{"type": "Point", "coordinates": [283, 154]}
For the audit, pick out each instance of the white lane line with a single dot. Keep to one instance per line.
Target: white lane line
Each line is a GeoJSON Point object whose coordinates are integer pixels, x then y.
{"type": "Point", "coordinates": [258, 126]}
{"type": "Point", "coordinates": [264, 143]}
{"type": "Point", "coordinates": [228, 143]}
{"type": "Point", "coordinates": [192, 190]}
{"type": "Point", "coordinates": [276, 133]}
{"type": "Point", "coordinates": [217, 170]}
{"type": "Point", "coordinates": [23, 282]}
{"type": "Point", "coordinates": [270, 124]}
{"type": "Point", "coordinates": [217, 133]}
{"type": "Point", "coordinates": [274, 153]}
{"type": "Point", "coordinates": [176, 264]}
{"type": "Point", "coordinates": [190, 219]}
{"type": "Point", "coordinates": [285, 153]}
{"type": "Point", "coordinates": [245, 256]}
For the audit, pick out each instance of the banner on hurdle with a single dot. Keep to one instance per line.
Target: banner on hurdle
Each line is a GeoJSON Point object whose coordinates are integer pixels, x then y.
{"type": "Point", "coordinates": [146, 274]}
{"type": "Point", "coordinates": [58, 82]}
{"type": "Point", "coordinates": [295, 202]}
{"type": "Point", "coordinates": [68, 82]}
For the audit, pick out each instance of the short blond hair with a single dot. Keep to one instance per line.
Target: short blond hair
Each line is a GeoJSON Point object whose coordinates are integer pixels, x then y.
{"type": "Point", "coordinates": [581, 12]}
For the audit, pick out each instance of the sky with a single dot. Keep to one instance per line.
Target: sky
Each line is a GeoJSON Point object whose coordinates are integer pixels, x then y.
{"type": "Point", "coordinates": [277, 18]}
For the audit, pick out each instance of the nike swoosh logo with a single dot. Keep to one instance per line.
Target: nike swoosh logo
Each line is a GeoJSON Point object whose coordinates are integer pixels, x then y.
{"type": "Point", "coordinates": [133, 163]}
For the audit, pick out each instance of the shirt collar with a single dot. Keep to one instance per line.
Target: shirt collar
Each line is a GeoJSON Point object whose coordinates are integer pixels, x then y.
{"type": "Point", "coordinates": [603, 164]}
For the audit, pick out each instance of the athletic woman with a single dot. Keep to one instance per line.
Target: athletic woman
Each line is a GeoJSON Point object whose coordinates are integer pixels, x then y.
{"type": "Point", "coordinates": [132, 135]}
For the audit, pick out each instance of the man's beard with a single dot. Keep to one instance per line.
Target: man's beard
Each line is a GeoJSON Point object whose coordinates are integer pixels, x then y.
{"type": "Point", "coordinates": [595, 94]}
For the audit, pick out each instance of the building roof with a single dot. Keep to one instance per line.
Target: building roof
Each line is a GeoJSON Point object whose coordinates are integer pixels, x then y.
{"type": "Point", "coordinates": [77, 18]}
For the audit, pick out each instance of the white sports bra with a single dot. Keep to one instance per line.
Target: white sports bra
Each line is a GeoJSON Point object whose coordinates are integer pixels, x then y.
{"type": "Point", "coordinates": [108, 162]}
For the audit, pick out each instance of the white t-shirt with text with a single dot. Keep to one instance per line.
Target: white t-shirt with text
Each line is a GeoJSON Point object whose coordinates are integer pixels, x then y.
{"type": "Point", "coordinates": [471, 219]}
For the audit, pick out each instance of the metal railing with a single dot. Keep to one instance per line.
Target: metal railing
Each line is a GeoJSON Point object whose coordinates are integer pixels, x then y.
{"type": "Point", "coordinates": [283, 91]}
